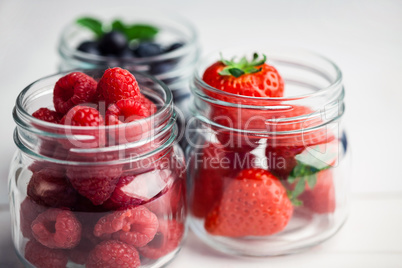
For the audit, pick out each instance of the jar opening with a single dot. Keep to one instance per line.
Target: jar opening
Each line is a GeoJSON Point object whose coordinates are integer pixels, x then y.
{"type": "Point", "coordinates": [143, 137]}
{"type": "Point", "coordinates": [314, 99]}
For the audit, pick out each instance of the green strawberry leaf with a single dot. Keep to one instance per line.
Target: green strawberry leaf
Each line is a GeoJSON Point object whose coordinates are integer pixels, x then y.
{"type": "Point", "coordinates": [243, 66]}
{"type": "Point", "coordinates": [236, 72]}
{"type": "Point", "coordinates": [299, 188]}
{"type": "Point", "coordinates": [301, 175]}
{"type": "Point", "coordinates": [311, 180]}
{"type": "Point", "coordinates": [92, 24]}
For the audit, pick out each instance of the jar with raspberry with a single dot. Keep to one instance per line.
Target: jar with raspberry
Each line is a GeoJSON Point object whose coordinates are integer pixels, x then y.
{"type": "Point", "coordinates": [268, 156]}
{"type": "Point", "coordinates": [97, 180]}
{"type": "Point", "coordinates": [162, 45]}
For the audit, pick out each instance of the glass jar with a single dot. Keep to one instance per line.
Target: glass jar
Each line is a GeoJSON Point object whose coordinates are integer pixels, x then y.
{"type": "Point", "coordinates": [269, 176]}
{"type": "Point", "coordinates": [174, 68]}
{"type": "Point", "coordinates": [79, 190]}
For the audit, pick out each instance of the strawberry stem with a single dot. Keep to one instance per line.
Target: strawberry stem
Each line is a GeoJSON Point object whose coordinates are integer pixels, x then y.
{"type": "Point", "coordinates": [243, 66]}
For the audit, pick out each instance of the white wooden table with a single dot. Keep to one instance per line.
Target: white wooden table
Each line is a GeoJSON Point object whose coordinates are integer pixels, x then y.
{"type": "Point", "coordinates": [363, 37]}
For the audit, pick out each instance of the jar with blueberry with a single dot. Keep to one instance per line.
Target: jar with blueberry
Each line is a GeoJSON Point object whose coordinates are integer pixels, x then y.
{"type": "Point", "coordinates": [148, 41]}
{"type": "Point", "coordinates": [267, 157]}
{"type": "Point", "coordinates": [97, 180]}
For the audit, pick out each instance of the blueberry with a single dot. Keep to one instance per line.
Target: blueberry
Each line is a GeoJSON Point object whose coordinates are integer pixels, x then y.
{"type": "Point", "coordinates": [148, 49]}
{"type": "Point", "coordinates": [160, 68]}
{"type": "Point", "coordinates": [126, 53]}
{"type": "Point", "coordinates": [113, 42]}
{"type": "Point", "coordinates": [174, 46]}
{"type": "Point", "coordinates": [89, 47]}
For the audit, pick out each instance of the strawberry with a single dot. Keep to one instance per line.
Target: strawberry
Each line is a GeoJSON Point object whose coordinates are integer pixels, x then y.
{"type": "Point", "coordinates": [311, 183]}
{"type": "Point", "coordinates": [215, 168]}
{"type": "Point", "coordinates": [249, 78]}
{"type": "Point", "coordinates": [255, 203]}
{"type": "Point", "coordinates": [320, 198]}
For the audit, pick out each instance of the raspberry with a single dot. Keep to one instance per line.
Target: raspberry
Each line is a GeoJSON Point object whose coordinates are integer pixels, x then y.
{"type": "Point", "coordinates": [83, 116]}
{"type": "Point", "coordinates": [73, 89]}
{"type": "Point", "coordinates": [168, 238]}
{"type": "Point", "coordinates": [86, 117]}
{"type": "Point", "coordinates": [125, 111]}
{"type": "Point", "coordinates": [51, 188]}
{"type": "Point", "coordinates": [96, 183]}
{"type": "Point", "coordinates": [56, 228]}
{"type": "Point", "coordinates": [80, 253]}
{"type": "Point", "coordinates": [129, 192]}
{"type": "Point", "coordinates": [136, 226]}
{"type": "Point", "coordinates": [148, 104]}
{"type": "Point", "coordinates": [42, 257]}
{"type": "Point", "coordinates": [113, 254]}
{"type": "Point", "coordinates": [118, 84]}
{"type": "Point", "coordinates": [28, 213]}
{"type": "Point", "coordinates": [47, 115]}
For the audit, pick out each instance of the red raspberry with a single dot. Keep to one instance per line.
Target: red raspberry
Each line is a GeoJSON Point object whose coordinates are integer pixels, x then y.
{"type": "Point", "coordinates": [118, 84]}
{"type": "Point", "coordinates": [56, 228]}
{"type": "Point", "coordinates": [86, 117]}
{"type": "Point", "coordinates": [28, 213]}
{"type": "Point", "coordinates": [47, 115]}
{"type": "Point", "coordinates": [125, 111]}
{"type": "Point", "coordinates": [43, 257]}
{"type": "Point", "coordinates": [148, 104]}
{"type": "Point", "coordinates": [96, 183]}
{"type": "Point", "coordinates": [129, 192]}
{"type": "Point", "coordinates": [136, 226]}
{"type": "Point", "coordinates": [83, 116]}
{"type": "Point", "coordinates": [80, 253]}
{"type": "Point", "coordinates": [113, 254]}
{"type": "Point", "coordinates": [73, 89]}
{"type": "Point", "coordinates": [51, 188]}
{"type": "Point", "coordinates": [170, 234]}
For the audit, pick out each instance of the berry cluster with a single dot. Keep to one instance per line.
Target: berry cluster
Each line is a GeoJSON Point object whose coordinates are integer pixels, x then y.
{"type": "Point", "coordinates": [99, 239]}
{"type": "Point", "coordinates": [125, 41]}
{"type": "Point", "coordinates": [102, 215]}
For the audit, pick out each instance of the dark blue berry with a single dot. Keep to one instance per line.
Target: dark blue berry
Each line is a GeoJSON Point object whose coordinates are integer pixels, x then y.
{"type": "Point", "coordinates": [89, 47]}
{"type": "Point", "coordinates": [148, 49]}
{"type": "Point", "coordinates": [113, 42]}
{"type": "Point", "coordinates": [160, 68]}
{"type": "Point", "coordinates": [174, 47]}
{"type": "Point", "coordinates": [126, 53]}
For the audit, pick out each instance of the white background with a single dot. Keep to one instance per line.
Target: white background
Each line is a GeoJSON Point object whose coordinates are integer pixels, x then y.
{"type": "Point", "coordinates": [363, 37]}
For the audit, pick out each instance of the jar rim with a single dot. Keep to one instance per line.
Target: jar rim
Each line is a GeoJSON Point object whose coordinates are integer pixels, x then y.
{"type": "Point", "coordinates": [335, 84]}
{"type": "Point", "coordinates": [325, 104]}
{"type": "Point", "coordinates": [164, 119]}
{"type": "Point", "coordinates": [21, 111]}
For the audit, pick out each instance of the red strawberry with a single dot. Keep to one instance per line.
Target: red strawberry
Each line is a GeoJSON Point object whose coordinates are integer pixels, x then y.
{"type": "Point", "coordinates": [216, 167]}
{"type": "Point", "coordinates": [255, 78]}
{"type": "Point", "coordinates": [320, 198]}
{"type": "Point", "coordinates": [282, 149]}
{"type": "Point", "coordinates": [254, 204]}
{"type": "Point", "coordinates": [244, 78]}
